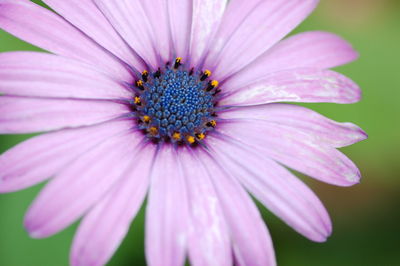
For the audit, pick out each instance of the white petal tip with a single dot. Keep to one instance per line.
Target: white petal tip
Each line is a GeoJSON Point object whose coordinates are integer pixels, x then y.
{"type": "Point", "coordinates": [363, 135]}
{"type": "Point", "coordinates": [35, 234]}
{"type": "Point", "coordinates": [33, 230]}
{"type": "Point", "coordinates": [353, 178]}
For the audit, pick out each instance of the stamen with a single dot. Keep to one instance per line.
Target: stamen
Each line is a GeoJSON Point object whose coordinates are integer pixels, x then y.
{"type": "Point", "coordinates": [146, 119]}
{"type": "Point", "coordinates": [176, 136]}
{"type": "Point", "coordinates": [212, 85]}
{"type": "Point", "coordinates": [212, 123]}
{"type": "Point", "coordinates": [153, 131]}
{"type": "Point", "coordinates": [200, 136]}
{"type": "Point", "coordinates": [145, 75]}
{"type": "Point", "coordinates": [216, 92]}
{"type": "Point", "coordinates": [190, 139]}
{"type": "Point", "coordinates": [158, 73]}
{"type": "Point", "coordinates": [139, 84]}
{"type": "Point", "coordinates": [205, 75]}
{"type": "Point", "coordinates": [137, 100]}
{"type": "Point", "coordinates": [178, 62]}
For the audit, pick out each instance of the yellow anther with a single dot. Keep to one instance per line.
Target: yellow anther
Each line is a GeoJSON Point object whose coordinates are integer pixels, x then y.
{"type": "Point", "coordinates": [190, 139]}
{"type": "Point", "coordinates": [178, 62]}
{"type": "Point", "coordinates": [213, 123]}
{"type": "Point", "coordinates": [145, 75]}
{"type": "Point", "coordinates": [176, 136]}
{"type": "Point", "coordinates": [139, 83]}
{"type": "Point", "coordinates": [214, 83]}
{"type": "Point", "coordinates": [137, 100]}
{"type": "Point", "coordinates": [146, 119]}
{"type": "Point", "coordinates": [200, 136]}
{"type": "Point", "coordinates": [153, 131]}
{"type": "Point", "coordinates": [206, 74]}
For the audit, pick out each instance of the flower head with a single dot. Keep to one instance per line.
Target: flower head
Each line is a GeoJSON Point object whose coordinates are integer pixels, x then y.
{"type": "Point", "coordinates": [178, 100]}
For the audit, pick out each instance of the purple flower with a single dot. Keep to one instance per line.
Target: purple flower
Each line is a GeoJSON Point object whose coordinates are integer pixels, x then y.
{"type": "Point", "coordinates": [176, 100]}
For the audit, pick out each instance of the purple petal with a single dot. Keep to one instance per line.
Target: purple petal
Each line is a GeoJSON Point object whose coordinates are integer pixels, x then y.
{"type": "Point", "coordinates": [278, 189]}
{"type": "Point", "coordinates": [39, 158]}
{"type": "Point", "coordinates": [209, 240]}
{"type": "Point", "coordinates": [46, 75]}
{"type": "Point", "coordinates": [294, 149]}
{"type": "Point", "coordinates": [250, 28]}
{"type": "Point", "coordinates": [86, 17]}
{"type": "Point", "coordinates": [180, 19]}
{"type": "Point", "coordinates": [251, 241]}
{"type": "Point", "coordinates": [167, 212]}
{"type": "Point", "coordinates": [207, 15]}
{"type": "Point", "coordinates": [309, 49]}
{"type": "Point", "coordinates": [30, 23]}
{"type": "Point", "coordinates": [297, 85]}
{"type": "Point", "coordinates": [80, 185]}
{"type": "Point", "coordinates": [103, 228]}
{"type": "Point", "coordinates": [159, 21]}
{"type": "Point", "coordinates": [27, 115]}
{"type": "Point", "coordinates": [324, 130]}
{"type": "Point", "coordinates": [129, 19]}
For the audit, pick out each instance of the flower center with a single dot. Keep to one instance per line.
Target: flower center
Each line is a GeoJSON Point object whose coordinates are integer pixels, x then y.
{"type": "Point", "coordinates": [176, 105]}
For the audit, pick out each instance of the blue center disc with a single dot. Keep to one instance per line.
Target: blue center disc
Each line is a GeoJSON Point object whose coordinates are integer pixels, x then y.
{"type": "Point", "coordinates": [176, 105]}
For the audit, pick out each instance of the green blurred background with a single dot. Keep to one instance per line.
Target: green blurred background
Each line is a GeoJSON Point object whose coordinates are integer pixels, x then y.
{"type": "Point", "coordinates": [365, 217]}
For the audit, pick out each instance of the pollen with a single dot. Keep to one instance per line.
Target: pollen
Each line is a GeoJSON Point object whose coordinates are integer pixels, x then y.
{"type": "Point", "coordinates": [139, 83]}
{"type": "Point", "coordinates": [145, 75]}
{"type": "Point", "coordinates": [201, 136]}
{"type": "Point", "coordinates": [212, 123]}
{"type": "Point", "coordinates": [206, 74]}
{"type": "Point", "coordinates": [146, 119]}
{"type": "Point", "coordinates": [190, 139]}
{"type": "Point", "coordinates": [137, 100]}
{"type": "Point", "coordinates": [153, 131]}
{"type": "Point", "coordinates": [176, 136]}
{"type": "Point", "coordinates": [214, 83]}
{"type": "Point", "coordinates": [178, 62]}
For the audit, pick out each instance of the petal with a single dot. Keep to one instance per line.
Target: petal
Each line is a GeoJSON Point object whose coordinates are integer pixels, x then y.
{"type": "Point", "coordinates": [130, 21]}
{"type": "Point", "coordinates": [157, 14]}
{"type": "Point", "coordinates": [180, 19]}
{"type": "Point", "coordinates": [27, 115]}
{"type": "Point", "coordinates": [207, 16]}
{"type": "Point", "coordinates": [80, 185]}
{"type": "Point", "coordinates": [209, 240]}
{"type": "Point", "coordinates": [324, 130]}
{"type": "Point", "coordinates": [251, 241]}
{"type": "Point", "coordinates": [298, 85]}
{"type": "Point", "coordinates": [103, 228]}
{"type": "Point", "coordinates": [30, 23]}
{"type": "Point", "coordinates": [46, 75]}
{"type": "Point", "coordinates": [166, 213]}
{"type": "Point", "coordinates": [309, 49]}
{"type": "Point", "coordinates": [252, 27]}
{"type": "Point", "coordinates": [295, 150]}
{"type": "Point", "coordinates": [39, 158]}
{"type": "Point", "coordinates": [87, 17]}
{"type": "Point", "coordinates": [279, 190]}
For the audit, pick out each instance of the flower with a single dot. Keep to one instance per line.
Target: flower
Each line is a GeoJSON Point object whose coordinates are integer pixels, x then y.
{"type": "Point", "coordinates": [177, 100]}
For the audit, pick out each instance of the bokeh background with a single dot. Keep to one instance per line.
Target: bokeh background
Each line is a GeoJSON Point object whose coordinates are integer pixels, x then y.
{"type": "Point", "coordinates": [366, 217]}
